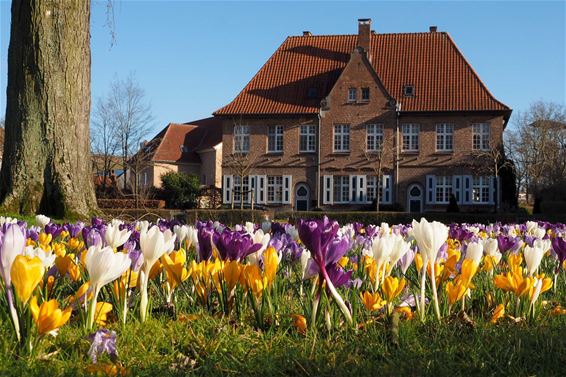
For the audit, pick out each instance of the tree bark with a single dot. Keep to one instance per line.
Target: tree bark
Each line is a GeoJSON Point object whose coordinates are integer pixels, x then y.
{"type": "Point", "coordinates": [46, 163]}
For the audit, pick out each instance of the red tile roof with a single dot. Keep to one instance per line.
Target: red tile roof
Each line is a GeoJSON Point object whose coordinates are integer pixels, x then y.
{"type": "Point", "coordinates": [431, 62]}
{"type": "Point", "coordinates": [181, 143]}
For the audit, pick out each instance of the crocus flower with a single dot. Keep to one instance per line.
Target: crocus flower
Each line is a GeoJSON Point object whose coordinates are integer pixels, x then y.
{"type": "Point", "coordinates": [372, 301]}
{"type": "Point", "coordinates": [559, 247]}
{"type": "Point", "coordinates": [474, 252]}
{"type": "Point", "coordinates": [430, 237]}
{"type": "Point", "coordinates": [48, 317]}
{"type": "Point", "coordinates": [154, 243]}
{"type": "Point", "coordinates": [115, 237]}
{"type": "Point", "coordinates": [26, 275]}
{"type": "Point", "coordinates": [317, 235]}
{"type": "Point", "coordinates": [175, 270]}
{"type": "Point", "coordinates": [46, 257]}
{"type": "Point", "coordinates": [533, 255]}
{"type": "Point", "coordinates": [103, 341]}
{"type": "Point", "coordinates": [103, 266]}
{"type": "Point", "coordinates": [236, 245]}
{"type": "Point", "coordinates": [207, 238]}
{"type": "Point", "coordinates": [42, 220]}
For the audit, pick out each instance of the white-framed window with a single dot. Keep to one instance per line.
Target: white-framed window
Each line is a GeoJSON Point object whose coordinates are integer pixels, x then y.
{"type": "Point", "coordinates": [352, 94]}
{"type": "Point", "coordinates": [443, 189]}
{"type": "Point", "coordinates": [385, 191]}
{"type": "Point", "coordinates": [307, 138]}
{"type": "Point", "coordinates": [410, 137]}
{"type": "Point", "coordinates": [444, 137]}
{"type": "Point", "coordinates": [374, 137]}
{"type": "Point", "coordinates": [480, 136]}
{"type": "Point", "coordinates": [480, 190]}
{"type": "Point", "coordinates": [275, 139]}
{"type": "Point", "coordinates": [241, 139]}
{"type": "Point", "coordinates": [341, 188]}
{"type": "Point", "coordinates": [241, 188]}
{"type": "Point", "coordinates": [341, 138]}
{"type": "Point", "coordinates": [274, 189]}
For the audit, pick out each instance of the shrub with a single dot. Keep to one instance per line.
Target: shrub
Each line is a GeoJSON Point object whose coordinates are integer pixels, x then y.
{"type": "Point", "coordinates": [129, 203]}
{"type": "Point", "coordinates": [180, 190]}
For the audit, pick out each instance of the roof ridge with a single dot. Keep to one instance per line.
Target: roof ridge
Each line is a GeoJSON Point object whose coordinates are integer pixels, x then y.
{"type": "Point", "coordinates": [373, 34]}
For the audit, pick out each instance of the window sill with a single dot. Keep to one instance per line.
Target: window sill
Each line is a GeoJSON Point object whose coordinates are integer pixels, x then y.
{"type": "Point", "coordinates": [340, 153]}
{"type": "Point", "coordinates": [307, 152]}
{"type": "Point", "coordinates": [444, 152]}
{"type": "Point", "coordinates": [273, 153]}
{"type": "Point", "coordinates": [410, 152]}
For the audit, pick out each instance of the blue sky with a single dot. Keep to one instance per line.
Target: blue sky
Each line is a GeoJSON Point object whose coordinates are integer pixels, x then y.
{"type": "Point", "coordinates": [194, 57]}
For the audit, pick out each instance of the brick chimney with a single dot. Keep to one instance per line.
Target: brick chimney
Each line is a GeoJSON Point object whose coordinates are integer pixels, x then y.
{"type": "Point", "coordinates": [364, 32]}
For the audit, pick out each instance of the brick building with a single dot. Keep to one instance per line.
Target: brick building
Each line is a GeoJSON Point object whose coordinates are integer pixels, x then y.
{"type": "Point", "coordinates": [313, 124]}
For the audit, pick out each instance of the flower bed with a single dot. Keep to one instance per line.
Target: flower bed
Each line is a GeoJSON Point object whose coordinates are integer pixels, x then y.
{"type": "Point", "coordinates": [310, 277]}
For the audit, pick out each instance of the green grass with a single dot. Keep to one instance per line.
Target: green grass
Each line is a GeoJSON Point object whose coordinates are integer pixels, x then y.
{"type": "Point", "coordinates": [214, 345]}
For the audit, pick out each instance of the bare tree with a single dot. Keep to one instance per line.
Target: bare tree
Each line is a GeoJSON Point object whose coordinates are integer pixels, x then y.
{"type": "Point", "coordinates": [104, 139]}
{"type": "Point", "coordinates": [241, 165]}
{"type": "Point", "coordinates": [537, 146]}
{"type": "Point", "coordinates": [378, 159]}
{"type": "Point", "coordinates": [129, 115]}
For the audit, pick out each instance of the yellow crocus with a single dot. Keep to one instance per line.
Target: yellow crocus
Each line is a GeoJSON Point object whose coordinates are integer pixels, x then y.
{"type": "Point", "coordinates": [270, 264]}
{"type": "Point", "coordinates": [343, 262]}
{"type": "Point", "coordinates": [469, 269]}
{"type": "Point", "coordinates": [232, 270]}
{"type": "Point", "coordinates": [174, 265]}
{"type": "Point", "coordinates": [101, 313]}
{"type": "Point", "coordinates": [81, 294]}
{"type": "Point", "coordinates": [299, 323]}
{"type": "Point", "coordinates": [48, 317]}
{"type": "Point", "coordinates": [370, 267]}
{"type": "Point", "coordinates": [66, 265]}
{"type": "Point", "coordinates": [76, 245]}
{"type": "Point", "coordinates": [44, 239]}
{"type": "Point", "coordinates": [455, 290]}
{"type": "Point", "coordinates": [372, 301]}
{"type": "Point", "coordinates": [392, 287]}
{"type": "Point", "coordinates": [26, 274]}
{"type": "Point", "coordinates": [514, 260]}
{"type": "Point", "coordinates": [498, 313]}
{"type": "Point", "coordinates": [253, 280]}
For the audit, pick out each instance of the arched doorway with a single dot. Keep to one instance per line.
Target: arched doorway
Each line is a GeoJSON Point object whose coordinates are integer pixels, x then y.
{"type": "Point", "coordinates": [302, 197]}
{"type": "Point", "coordinates": [415, 198]}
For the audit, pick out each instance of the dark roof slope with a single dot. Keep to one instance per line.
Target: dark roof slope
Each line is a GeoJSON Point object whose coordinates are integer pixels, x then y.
{"type": "Point", "coordinates": [431, 62]}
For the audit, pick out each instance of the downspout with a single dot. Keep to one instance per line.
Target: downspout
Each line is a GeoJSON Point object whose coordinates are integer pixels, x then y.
{"type": "Point", "coordinates": [318, 163]}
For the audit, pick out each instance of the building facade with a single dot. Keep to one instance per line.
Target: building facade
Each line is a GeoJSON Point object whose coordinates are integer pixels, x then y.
{"type": "Point", "coordinates": [335, 121]}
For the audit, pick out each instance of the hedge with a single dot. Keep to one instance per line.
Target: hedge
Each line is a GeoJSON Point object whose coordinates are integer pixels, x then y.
{"type": "Point", "coordinates": [129, 203]}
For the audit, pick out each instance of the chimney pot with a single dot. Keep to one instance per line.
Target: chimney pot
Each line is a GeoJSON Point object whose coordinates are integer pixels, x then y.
{"type": "Point", "coordinates": [432, 29]}
{"type": "Point", "coordinates": [307, 33]}
{"type": "Point", "coordinates": [364, 31]}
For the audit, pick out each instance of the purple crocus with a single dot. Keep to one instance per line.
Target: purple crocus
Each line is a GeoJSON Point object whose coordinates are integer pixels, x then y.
{"type": "Point", "coordinates": [207, 238]}
{"type": "Point", "coordinates": [236, 245]}
{"type": "Point", "coordinates": [53, 229]}
{"type": "Point", "coordinates": [559, 247]}
{"type": "Point", "coordinates": [505, 243]}
{"type": "Point", "coordinates": [103, 341]}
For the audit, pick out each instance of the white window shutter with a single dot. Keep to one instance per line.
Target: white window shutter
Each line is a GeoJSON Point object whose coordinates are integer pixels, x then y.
{"type": "Point", "coordinates": [287, 184]}
{"type": "Point", "coordinates": [328, 187]}
{"type": "Point", "coordinates": [457, 187]}
{"type": "Point", "coordinates": [362, 188]}
{"type": "Point", "coordinates": [386, 189]}
{"type": "Point", "coordinates": [261, 192]}
{"type": "Point", "coordinates": [252, 188]}
{"type": "Point", "coordinates": [353, 194]}
{"type": "Point", "coordinates": [467, 189]}
{"type": "Point", "coordinates": [227, 188]}
{"type": "Point", "coordinates": [430, 189]}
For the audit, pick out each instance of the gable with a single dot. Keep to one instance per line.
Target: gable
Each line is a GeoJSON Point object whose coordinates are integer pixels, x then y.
{"type": "Point", "coordinates": [304, 70]}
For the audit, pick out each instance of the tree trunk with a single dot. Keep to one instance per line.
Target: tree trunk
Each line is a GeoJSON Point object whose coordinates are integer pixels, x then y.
{"type": "Point", "coordinates": [46, 163]}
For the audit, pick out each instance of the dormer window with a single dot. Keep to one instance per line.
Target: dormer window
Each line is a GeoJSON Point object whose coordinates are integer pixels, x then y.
{"type": "Point", "coordinates": [408, 90]}
{"type": "Point", "coordinates": [312, 93]}
{"type": "Point", "coordinates": [352, 95]}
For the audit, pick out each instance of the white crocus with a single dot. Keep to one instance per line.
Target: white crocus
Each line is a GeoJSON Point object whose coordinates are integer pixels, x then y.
{"type": "Point", "coordinates": [142, 226]}
{"type": "Point", "coordinates": [491, 249]}
{"type": "Point", "coordinates": [293, 232]}
{"type": "Point", "coordinates": [533, 255]}
{"type": "Point", "coordinates": [46, 257]}
{"type": "Point", "coordinates": [263, 239]}
{"type": "Point", "coordinates": [12, 245]}
{"type": "Point", "coordinates": [103, 266]}
{"type": "Point", "coordinates": [7, 220]}
{"type": "Point", "coordinates": [474, 252]}
{"type": "Point", "coordinates": [181, 232]}
{"type": "Point", "coordinates": [192, 237]}
{"type": "Point", "coordinates": [42, 220]}
{"type": "Point", "coordinates": [381, 249]}
{"type": "Point", "coordinates": [400, 248]}
{"type": "Point", "coordinates": [430, 237]}
{"type": "Point", "coordinates": [115, 237]}
{"type": "Point", "coordinates": [249, 227]}
{"type": "Point", "coordinates": [153, 244]}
